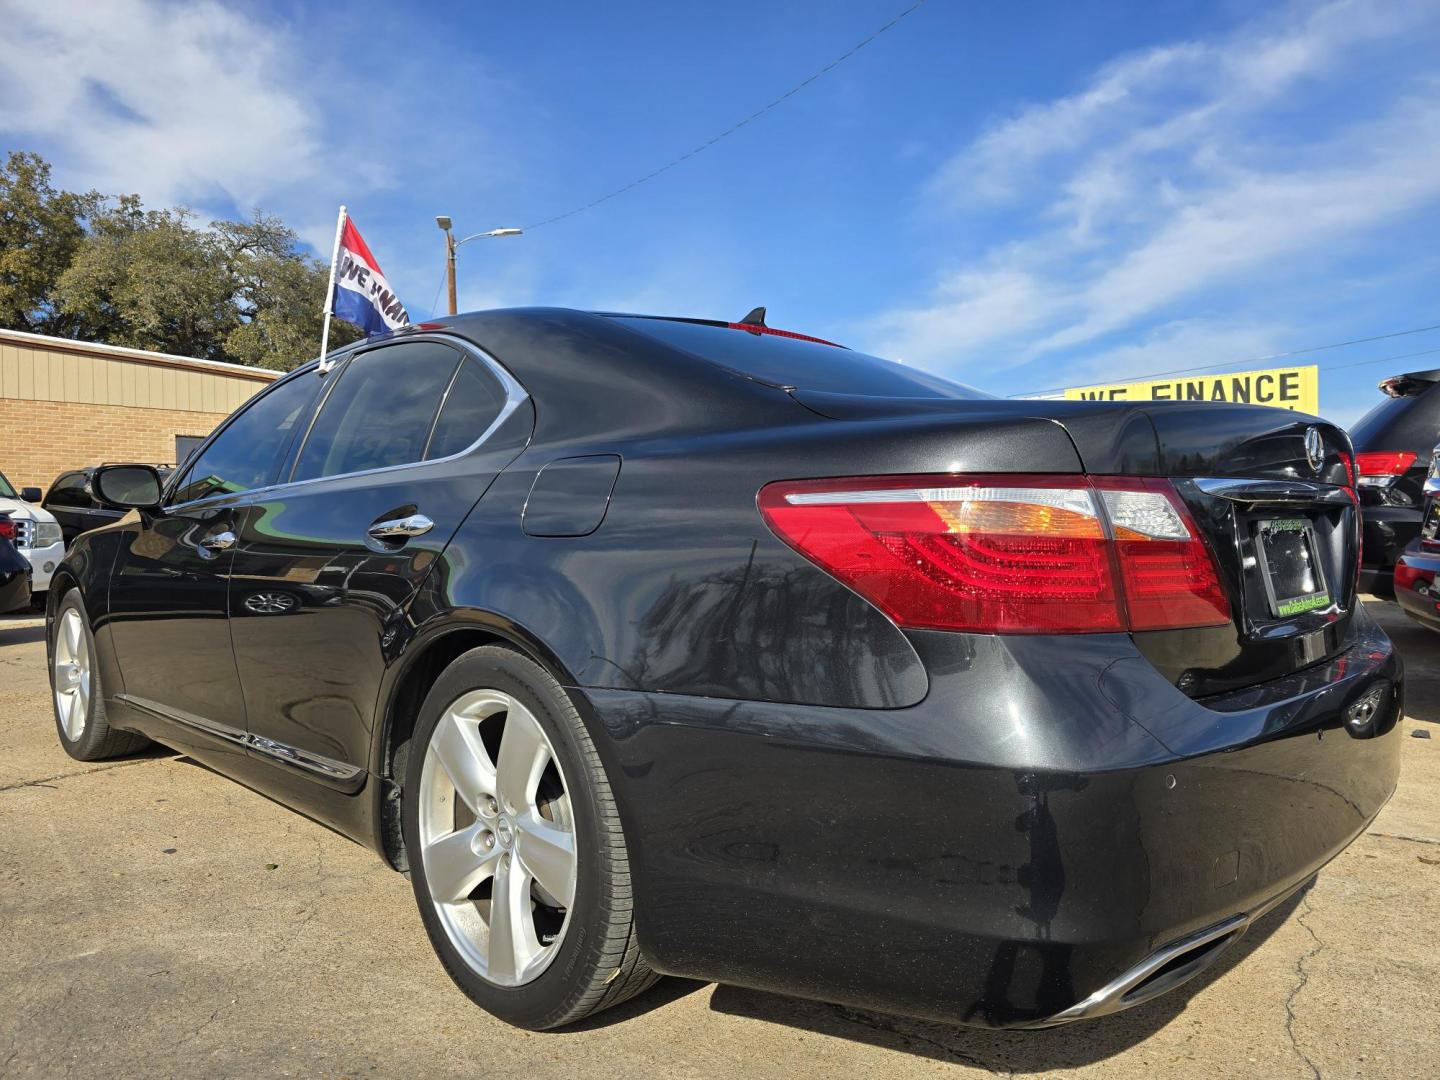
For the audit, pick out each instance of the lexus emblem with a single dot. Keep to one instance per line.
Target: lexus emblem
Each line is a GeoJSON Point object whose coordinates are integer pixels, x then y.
{"type": "Point", "coordinates": [1314, 448]}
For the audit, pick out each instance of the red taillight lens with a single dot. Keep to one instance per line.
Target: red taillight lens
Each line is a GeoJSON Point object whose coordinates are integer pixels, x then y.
{"type": "Point", "coordinates": [1380, 467]}
{"type": "Point", "coordinates": [7, 529]}
{"type": "Point", "coordinates": [1006, 554]}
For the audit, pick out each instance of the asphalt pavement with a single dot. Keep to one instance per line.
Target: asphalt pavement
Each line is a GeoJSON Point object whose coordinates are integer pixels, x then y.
{"type": "Point", "coordinates": [157, 919]}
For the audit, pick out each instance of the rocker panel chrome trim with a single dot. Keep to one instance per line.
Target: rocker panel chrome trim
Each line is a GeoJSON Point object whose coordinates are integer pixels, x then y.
{"type": "Point", "coordinates": [278, 751]}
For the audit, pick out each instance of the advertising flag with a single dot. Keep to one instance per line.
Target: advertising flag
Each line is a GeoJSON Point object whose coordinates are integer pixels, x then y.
{"type": "Point", "coordinates": [362, 296]}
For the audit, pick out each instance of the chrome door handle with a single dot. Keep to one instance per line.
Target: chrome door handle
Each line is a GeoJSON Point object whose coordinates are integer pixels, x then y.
{"type": "Point", "coordinates": [221, 541]}
{"type": "Point", "coordinates": [401, 528]}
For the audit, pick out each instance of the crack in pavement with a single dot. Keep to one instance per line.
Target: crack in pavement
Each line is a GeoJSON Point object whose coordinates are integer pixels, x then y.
{"type": "Point", "coordinates": [47, 780]}
{"type": "Point", "coordinates": [1302, 978]}
{"type": "Point", "coordinates": [1407, 836]}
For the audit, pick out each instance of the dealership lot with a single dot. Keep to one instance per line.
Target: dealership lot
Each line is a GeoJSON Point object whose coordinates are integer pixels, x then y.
{"type": "Point", "coordinates": [165, 921]}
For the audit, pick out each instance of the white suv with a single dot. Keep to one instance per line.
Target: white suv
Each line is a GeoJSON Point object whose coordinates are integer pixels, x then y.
{"type": "Point", "coordinates": [37, 535]}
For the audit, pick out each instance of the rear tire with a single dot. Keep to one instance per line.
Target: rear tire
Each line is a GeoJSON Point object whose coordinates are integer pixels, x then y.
{"type": "Point", "coordinates": [505, 798]}
{"type": "Point", "coordinates": [76, 694]}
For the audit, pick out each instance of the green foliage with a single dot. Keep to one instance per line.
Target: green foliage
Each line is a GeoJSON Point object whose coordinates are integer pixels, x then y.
{"type": "Point", "coordinates": [108, 270]}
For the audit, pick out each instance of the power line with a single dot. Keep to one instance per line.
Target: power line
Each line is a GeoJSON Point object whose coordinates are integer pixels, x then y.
{"type": "Point", "coordinates": [733, 128]}
{"type": "Point", "coordinates": [1256, 360]}
{"type": "Point", "coordinates": [1261, 360]}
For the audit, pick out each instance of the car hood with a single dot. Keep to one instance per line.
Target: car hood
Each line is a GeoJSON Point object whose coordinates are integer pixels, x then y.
{"type": "Point", "coordinates": [23, 511]}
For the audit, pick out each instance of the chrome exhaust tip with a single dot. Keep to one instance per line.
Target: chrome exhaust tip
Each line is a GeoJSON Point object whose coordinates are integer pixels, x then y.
{"type": "Point", "coordinates": [1159, 973]}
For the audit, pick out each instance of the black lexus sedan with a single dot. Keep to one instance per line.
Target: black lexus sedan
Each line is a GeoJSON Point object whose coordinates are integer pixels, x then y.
{"type": "Point", "coordinates": [661, 645]}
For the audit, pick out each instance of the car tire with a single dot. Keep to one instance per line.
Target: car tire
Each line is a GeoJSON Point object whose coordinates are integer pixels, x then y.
{"type": "Point", "coordinates": [500, 832]}
{"type": "Point", "coordinates": [76, 694]}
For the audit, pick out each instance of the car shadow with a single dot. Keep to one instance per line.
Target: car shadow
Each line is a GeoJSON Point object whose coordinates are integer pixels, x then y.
{"type": "Point", "coordinates": [20, 631]}
{"type": "Point", "coordinates": [1071, 1045]}
{"type": "Point", "coordinates": [1040, 1051]}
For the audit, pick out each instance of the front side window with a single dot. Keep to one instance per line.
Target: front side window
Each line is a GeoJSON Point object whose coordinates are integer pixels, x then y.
{"type": "Point", "coordinates": [249, 452]}
{"type": "Point", "coordinates": [382, 411]}
{"type": "Point", "coordinates": [6, 491]}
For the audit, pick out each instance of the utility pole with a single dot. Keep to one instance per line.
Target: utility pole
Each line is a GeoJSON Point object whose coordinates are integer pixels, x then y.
{"type": "Point", "coordinates": [451, 244]}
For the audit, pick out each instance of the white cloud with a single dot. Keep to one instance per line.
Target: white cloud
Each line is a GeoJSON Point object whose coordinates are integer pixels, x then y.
{"type": "Point", "coordinates": [1179, 172]}
{"type": "Point", "coordinates": [179, 103]}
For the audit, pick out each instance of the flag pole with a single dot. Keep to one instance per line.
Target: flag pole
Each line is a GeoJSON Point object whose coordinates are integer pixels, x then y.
{"type": "Point", "coordinates": [330, 293]}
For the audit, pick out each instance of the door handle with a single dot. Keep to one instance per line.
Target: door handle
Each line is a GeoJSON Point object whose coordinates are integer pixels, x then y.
{"type": "Point", "coordinates": [221, 541]}
{"type": "Point", "coordinates": [402, 528]}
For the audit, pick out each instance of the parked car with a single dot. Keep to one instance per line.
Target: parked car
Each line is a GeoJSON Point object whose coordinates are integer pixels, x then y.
{"type": "Point", "coordinates": [14, 570]}
{"type": "Point", "coordinates": [1392, 452]}
{"type": "Point", "coordinates": [72, 503]}
{"type": "Point", "coordinates": [1415, 585]}
{"type": "Point", "coordinates": [37, 535]}
{"type": "Point", "coordinates": [708, 649]}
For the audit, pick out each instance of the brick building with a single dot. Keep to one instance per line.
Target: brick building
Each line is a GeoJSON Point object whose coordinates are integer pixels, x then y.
{"type": "Point", "coordinates": [66, 404]}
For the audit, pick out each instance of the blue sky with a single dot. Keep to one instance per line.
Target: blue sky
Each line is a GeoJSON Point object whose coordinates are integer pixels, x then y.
{"type": "Point", "coordinates": [1019, 195]}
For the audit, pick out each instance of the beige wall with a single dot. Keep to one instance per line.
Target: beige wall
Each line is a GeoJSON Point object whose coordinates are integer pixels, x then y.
{"type": "Point", "coordinates": [66, 404]}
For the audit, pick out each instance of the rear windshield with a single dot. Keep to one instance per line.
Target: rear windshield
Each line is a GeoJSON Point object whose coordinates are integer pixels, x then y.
{"type": "Point", "coordinates": [1404, 423]}
{"type": "Point", "coordinates": [803, 365]}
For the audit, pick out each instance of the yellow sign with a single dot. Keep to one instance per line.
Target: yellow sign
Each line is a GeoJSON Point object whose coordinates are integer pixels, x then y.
{"type": "Point", "coordinates": [1284, 388]}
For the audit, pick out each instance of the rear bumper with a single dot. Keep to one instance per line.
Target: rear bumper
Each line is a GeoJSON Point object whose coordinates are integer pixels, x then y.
{"type": "Point", "coordinates": [1047, 820]}
{"type": "Point", "coordinates": [1386, 530]}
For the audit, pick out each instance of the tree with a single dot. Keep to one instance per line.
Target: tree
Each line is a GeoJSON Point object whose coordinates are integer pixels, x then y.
{"type": "Point", "coordinates": [278, 294]}
{"type": "Point", "coordinates": [40, 230]}
{"type": "Point", "coordinates": [109, 270]}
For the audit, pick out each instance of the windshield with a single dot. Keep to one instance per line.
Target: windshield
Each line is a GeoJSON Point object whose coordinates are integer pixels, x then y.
{"type": "Point", "coordinates": [802, 365]}
{"type": "Point", "coordinates": [6, 491]}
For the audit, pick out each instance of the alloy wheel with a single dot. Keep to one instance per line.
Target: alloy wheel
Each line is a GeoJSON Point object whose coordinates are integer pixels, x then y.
{"type": "Point", "coordinates": [497, 837]}
{"type": "Point", "coordinates": [72, 674]}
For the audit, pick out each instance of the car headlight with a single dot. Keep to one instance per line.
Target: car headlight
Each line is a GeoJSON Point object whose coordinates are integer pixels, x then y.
{"type": "Point", "coordinates": [46, 533]}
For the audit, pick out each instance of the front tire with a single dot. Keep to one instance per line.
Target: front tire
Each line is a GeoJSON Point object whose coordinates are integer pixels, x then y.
{"type": "Point", "coordinates": [76, 693]}
{"type": "Point", "coordinates": [515, 847]}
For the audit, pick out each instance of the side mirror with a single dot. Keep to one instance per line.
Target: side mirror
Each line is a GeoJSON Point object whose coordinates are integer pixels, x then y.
{"type": "Point", "coordinates": [30, 494]}
{"type": "Point", "coordinates": [127, 487]}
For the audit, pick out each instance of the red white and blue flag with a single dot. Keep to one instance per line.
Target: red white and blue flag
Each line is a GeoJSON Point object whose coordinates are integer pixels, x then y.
{"type": "Point", "coordinates": [362, 296]}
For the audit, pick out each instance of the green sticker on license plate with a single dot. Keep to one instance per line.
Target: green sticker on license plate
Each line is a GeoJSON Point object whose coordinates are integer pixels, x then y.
{"type": "Point", "coordinates": [1304, 603]}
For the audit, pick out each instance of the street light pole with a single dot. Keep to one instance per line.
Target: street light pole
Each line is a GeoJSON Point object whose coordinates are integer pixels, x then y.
{"type": "Point", "coordinates": [451, 244]}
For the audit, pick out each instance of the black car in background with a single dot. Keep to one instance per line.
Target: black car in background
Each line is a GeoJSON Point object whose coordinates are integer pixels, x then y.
{"type": "Point", "coordinates": [655, 645]}
{"type": "Point", "coordinates": [72, 503]}
{"type": "Point", "coordinates": [1416, 572]}
{"type": "Point", "coordinates": [14, 570]}
{"type": "Point", "coordinates": [1393, 443]}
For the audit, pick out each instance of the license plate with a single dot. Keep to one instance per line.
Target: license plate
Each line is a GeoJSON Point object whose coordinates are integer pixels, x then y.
{"type": "Point", "coordinates": [1431, 526]}
{"type": "Point", "coordinates": [1290, 565]}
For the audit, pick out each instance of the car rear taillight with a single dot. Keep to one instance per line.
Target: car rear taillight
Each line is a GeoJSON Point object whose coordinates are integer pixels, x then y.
{"type": "Point", "coordinates": [8, 531]}
{"type": "Point", "coordinates": [1381, 468]}
{"type": "Point", "coordinates": [1006, 554]}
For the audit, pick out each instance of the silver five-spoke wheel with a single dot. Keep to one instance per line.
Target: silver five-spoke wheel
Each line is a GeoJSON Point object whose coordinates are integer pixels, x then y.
{"type": "Point", "coordinates": [72, 674]}
{"type": "Point", "coordinates": [497, 837]}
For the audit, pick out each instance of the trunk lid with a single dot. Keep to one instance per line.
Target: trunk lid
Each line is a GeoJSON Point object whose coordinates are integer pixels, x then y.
{"type": "Point", "coordinates": [1269, 489]}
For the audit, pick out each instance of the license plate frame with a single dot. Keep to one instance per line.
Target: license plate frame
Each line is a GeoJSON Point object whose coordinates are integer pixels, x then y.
{"type": "Point", "coordinates": [1278, 543]}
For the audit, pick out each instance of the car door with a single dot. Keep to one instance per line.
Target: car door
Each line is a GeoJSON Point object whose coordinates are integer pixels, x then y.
{"type": "Point", "coordinates": [403, 444]}
{"type": "Point", "coordinates": [169, 585]}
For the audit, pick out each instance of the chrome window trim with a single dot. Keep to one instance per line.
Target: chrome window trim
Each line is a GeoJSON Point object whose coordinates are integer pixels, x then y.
{"type": "Point", "coordinates": [515, 396]}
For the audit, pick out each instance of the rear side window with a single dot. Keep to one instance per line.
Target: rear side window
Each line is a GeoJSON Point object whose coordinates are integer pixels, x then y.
{"type": "Point", "coordinates": [382, 411]}
{"type": "Point", "coordinates": [69, 490]}
{"type": "Point", "coordinates": [803, 365]}
{"type": "Point", "coordinates": [472, 404]}
{"type": "Point", "coordinates": [248, 452]}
